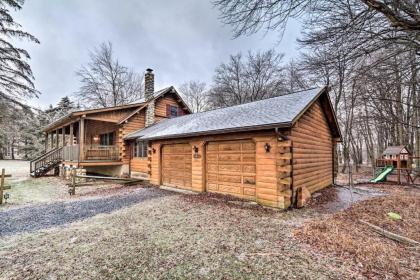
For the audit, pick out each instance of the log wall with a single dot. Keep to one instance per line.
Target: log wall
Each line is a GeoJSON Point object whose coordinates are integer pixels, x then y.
{"type": "Point", "coordinates": [134, 123]}
{"type": "Point", "coordinates": [312, 150]}
{"type": "Point", "coordinates": [284, 170]}
{"type": "Point", "coordinates": [160, 109]}
{"type": "Point", "coordinates": [267, 192]}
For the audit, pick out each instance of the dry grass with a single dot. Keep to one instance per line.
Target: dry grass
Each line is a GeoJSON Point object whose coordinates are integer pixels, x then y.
{"type": "Point", "coordinates": [173, 237]}
{"type": "Point", "coordinates": [27, 191]}
{"type": "Point", "coordinates": [342, 235]}
{"type": "Point", "coordinates": [35, 191]}
{"type": "Point", "coordinates": [213, 237]}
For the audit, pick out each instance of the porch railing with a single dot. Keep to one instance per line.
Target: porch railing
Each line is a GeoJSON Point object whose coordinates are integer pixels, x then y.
{"type": "Point", "coordinates": [71, 153]}
{"type": "Point", "coordinates": [91, 152]}
{"type": "Point", "coordinates": [99, 152]}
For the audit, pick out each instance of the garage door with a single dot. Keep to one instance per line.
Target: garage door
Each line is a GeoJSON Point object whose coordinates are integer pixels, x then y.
{"type": "Point", "coordinates": [176, 166]}
{"type": "Point", "coordinates": [230, 168]}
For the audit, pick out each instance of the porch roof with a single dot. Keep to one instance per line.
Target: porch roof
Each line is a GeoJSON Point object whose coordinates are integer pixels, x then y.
{"type": "Point", "coordinates": [135, 105]}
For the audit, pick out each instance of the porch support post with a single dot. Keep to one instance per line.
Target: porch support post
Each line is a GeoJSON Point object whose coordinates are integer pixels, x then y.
{"type": "Point", "coordinates": [57, 138]}
{"type": "Point", "coordinates": [71, 140]}
{"type": "Point", "coordinates": [81, 138]}
{"type": "Point", "coordinates": [63, 130]}
{"type": "Point", "coordinates": [46, 141]}
{"type": "Point", "coordinates": [52, 139]}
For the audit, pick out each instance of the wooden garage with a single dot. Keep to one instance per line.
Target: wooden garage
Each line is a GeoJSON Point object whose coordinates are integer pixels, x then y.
{"type": "Point", "coordinates": [276, 151]}
{"type": "Point", "coordinates": [176, 165]}
{"type": "Point", "coordinates": [230, 168]}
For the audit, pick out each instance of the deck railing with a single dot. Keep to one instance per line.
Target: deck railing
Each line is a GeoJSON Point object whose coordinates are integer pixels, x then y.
{"type": "Point", "coordinates": [91, 153]}
{"type": "Point", "coordinates": [99, 152]}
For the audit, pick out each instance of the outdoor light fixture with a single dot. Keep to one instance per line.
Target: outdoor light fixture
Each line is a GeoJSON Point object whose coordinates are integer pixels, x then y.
{"type": "Point", "coordinates": [154, 150]}
{"type": "Point", "coordinates": [195, 149]}
{"type": "Point", "coordinates": [267, 147]}
{"type": "Point", "coordinates": [96, 138]}
{"type": "Point", "coordinates": [6, 196]}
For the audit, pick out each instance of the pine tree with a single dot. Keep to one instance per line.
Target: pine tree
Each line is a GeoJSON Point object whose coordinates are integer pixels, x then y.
{"type": "Point", "coordinates": [16, 78]}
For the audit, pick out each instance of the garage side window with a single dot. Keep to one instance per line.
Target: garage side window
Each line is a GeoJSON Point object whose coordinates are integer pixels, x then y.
{"type": "Point", "coordinates": [140, 149]}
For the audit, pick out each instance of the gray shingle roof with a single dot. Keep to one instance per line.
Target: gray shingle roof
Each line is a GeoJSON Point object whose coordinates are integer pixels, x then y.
{"type": "Point", "coordinates": [276, 111]}
{"type": "Point", "coordinates": [393, 150]}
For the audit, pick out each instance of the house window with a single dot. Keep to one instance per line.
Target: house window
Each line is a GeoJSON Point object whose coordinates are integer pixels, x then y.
{"type": "Point", "coordinates": [106, 139]}
{"type": "Point", "coordinates": [140, 149]}
{"type": "Point", "coordinates": [173, 111]}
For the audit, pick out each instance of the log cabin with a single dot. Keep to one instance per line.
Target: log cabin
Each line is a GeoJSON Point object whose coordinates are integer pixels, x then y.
{"type": "Point", "coordinates": [93, 139]}
{"type": "Point", "coordinates": [276, 151]}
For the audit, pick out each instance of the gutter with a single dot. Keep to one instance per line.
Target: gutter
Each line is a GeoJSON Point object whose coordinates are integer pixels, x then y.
{"type": "Point", "coordinates": [57, 122]}
{"type": "Point", "coordinates": [211, 132]}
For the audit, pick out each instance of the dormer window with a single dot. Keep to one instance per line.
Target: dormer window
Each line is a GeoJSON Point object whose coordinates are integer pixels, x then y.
{"type": "Point", "coordinates": [173, 111]}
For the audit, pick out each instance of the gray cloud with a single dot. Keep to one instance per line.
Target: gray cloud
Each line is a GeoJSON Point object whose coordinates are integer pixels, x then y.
{"type": "Point", "coordinates": [181, 40]}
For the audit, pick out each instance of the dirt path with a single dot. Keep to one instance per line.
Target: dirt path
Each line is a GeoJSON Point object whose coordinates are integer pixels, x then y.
{"type": "Point", "coordinates": [33, 218]}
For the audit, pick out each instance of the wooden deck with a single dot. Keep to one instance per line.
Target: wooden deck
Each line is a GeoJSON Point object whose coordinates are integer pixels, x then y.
{"type": "Point", "coordinates": [94, 163]}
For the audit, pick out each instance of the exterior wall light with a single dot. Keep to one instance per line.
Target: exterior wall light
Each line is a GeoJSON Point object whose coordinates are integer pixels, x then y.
{"type": "Point", "coordinates": [195, 149]}
{"type": "Point", "coordinates": [154, 150]}
{"type": "Point", "coordinates": [267, 147]}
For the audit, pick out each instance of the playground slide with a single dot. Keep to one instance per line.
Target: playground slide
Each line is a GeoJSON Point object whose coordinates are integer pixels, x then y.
{"type": "Point", "coordinates": [382, 176]}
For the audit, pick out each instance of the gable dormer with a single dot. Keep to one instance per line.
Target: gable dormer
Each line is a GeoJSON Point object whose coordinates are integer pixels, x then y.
{"type": "Point", "coordinates": [166, 103]}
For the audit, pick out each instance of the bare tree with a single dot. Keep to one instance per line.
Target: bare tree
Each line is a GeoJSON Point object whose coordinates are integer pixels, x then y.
{"type": "Point", "coordinates": [296, 78]}
{"type": "Point", "coordinates": [374, 20]}
{"type": "Point", "coordinates": [258, 77]}
{"type": "Point", "coordinates": [16, 78]}
{"type": "Point", "coordinates": [105, 82]}
{"type": "Point", "coordinates": [196, 95]}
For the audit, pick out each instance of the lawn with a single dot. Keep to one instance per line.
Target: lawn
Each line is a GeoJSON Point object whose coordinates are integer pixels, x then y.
{"type": "Point", "coordinates": [145, 233]}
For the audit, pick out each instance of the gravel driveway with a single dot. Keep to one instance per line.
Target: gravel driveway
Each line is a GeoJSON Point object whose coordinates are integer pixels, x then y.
{"type": "Point", "coordinates": [33, 218]}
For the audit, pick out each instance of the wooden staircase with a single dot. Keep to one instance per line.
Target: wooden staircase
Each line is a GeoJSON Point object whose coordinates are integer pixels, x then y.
{"type": "Point", "coordinates": [46, 162]}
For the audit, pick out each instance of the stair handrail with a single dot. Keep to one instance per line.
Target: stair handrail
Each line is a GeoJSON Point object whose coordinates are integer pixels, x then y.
{"type": "Point", "coordinates": [44, 154]}
{"type": "Point", "coordinates": [43, 157]}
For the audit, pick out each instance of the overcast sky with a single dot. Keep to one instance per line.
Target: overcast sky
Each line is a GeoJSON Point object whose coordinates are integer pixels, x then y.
{"type": "Point", "coordinates": [181, 40]}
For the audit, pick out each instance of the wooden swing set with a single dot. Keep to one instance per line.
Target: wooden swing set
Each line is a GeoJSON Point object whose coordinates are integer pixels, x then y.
{"type": "Point", "coordinates": [401, 160]}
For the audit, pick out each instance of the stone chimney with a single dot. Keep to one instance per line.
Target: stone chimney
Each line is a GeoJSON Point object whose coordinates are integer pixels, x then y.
{"type": "Point", "coordinates": [149, 89]}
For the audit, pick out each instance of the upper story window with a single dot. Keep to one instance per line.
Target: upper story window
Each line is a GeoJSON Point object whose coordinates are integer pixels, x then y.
{"type": "Point", "coordinates": [140, 149]}
{"type": "Point", "coordinates": [173, 111]}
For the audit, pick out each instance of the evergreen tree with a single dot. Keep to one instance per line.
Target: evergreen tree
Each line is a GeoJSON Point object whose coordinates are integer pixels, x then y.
{"type": "Point", "coordinates": [16, 78]}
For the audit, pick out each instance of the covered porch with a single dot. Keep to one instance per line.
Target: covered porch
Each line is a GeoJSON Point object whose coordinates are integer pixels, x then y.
{"type": "Point", "coordinates": [84, 141]}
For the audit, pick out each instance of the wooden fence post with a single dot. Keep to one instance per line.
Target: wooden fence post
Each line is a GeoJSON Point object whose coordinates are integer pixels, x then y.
{"type": "Point", "coordinates": [73, 182]}
{"type": "Point", "coordinates": [2, 184]}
